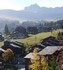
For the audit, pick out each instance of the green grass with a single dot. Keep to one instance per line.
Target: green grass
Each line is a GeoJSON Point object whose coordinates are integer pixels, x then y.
{"type": "Point", "coordinates": [34, 39]}
{"type": "Point", "coordinates": [30, 35]}
{"type": "Point", "coordinates": [1, 44]}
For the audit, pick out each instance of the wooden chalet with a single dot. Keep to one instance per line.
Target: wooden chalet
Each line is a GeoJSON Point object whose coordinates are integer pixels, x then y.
{"type": "Point", "coordinates": [39, 47]}
{"type": "Point", "coordinates": [1, 38]}
{"type": "Point", "coordinates": [60, 38]}
{"type": "Point", "coordinates": [27, 60]}
{"type": "Point", "coordinates": [60, 59]}
{"type": "Point", "coordinates": [16, 47]}
{"type": "Point", "coordinates": [50, 41]}
{"type": "Point", "coordinates": [48, 52]}
{"type": "Point", "coordinates": [18, 35]}
{"type": "Point", "coordinates": [18, 50]}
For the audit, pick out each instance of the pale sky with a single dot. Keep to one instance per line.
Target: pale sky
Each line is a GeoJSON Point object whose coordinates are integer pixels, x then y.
{"type": "Point", "coordinates": [20, 4]}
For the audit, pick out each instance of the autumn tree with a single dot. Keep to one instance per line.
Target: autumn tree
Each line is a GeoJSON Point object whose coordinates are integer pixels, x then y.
{"type": "Point", "coordinates": [44, 65]}
{"type": "Point", "coordinates": [8, 55]}
{"type": "Point", "coordinates": [38, 62]}
{"type": "Point", "coordinates": [35, 62]}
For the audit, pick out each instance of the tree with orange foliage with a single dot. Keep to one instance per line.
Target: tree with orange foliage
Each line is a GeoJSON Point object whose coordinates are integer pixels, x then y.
{"type": "Point", "coordinates": [38, 62]}
{"type": "Point", "coordinates": [8, 55]}
{"type": "Point", "coordinates": [44, 65]}
{"type": "Point", "coordinates": [35, 62]}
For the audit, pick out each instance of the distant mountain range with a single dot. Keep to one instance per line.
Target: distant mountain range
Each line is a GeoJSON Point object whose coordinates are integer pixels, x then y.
{"type": "Point", "coordinates": [33, 12]}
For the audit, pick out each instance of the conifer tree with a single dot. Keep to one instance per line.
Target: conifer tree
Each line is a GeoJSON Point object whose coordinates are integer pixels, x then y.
{"type": "Point", "coordinates": [7, 32]}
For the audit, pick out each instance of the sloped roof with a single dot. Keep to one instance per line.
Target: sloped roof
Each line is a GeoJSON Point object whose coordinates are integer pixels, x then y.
{"type": "Point", "coordinates": [29, 56]}
{"type": "Point", "coordinates": [2, 50]}
{"type": "Point", "coordinates": [50, 41]}
{"type": "Point", "coordinates": [49, 50]}
{"type": "Point", "coordinates": [39, 47]}
{"type": "Point", "coordinates": [15, 45]}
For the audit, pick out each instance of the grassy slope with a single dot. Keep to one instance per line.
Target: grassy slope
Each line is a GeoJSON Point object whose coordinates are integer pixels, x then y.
{"type": "Point", "coordinates": [1, 44]}
{"type": "Point", "coordinates": [36, 38]}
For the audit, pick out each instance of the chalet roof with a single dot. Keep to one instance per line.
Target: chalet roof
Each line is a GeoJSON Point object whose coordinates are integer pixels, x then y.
{"type": "Point", "coordinates": [15, 45]}
{"type": "Point", "coordinates": [2, 50]}
{"type": "Point", "coordinates": [8, 44]}
{"type": "Point", "coordinates": [50, 41]}
{"type": "Point", "coordinates": [39, 47]}
{"type": "Point", "coordinates": [49, 50]}
{"type": "Point", "coordinates": [29, 56]}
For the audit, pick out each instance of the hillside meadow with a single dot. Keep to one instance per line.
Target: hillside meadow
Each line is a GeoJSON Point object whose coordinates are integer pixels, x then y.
{"type": "Point", "coordinates": [34, 39]}
{"type": "Point", "coordinates": [1, 44]}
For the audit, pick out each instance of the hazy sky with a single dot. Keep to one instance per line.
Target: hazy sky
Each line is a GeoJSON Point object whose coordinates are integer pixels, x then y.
{"type": "Point", "coordinates": [20, 4]}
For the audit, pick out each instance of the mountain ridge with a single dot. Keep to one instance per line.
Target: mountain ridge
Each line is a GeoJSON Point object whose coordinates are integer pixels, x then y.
{"type": "Point", "coordinates": [34, 12]}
